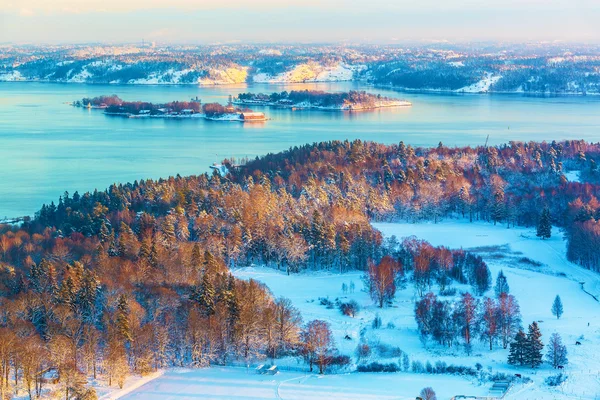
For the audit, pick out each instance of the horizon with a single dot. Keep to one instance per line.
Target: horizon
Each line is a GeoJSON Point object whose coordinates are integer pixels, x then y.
{"type": "Point", "coordinates": [268, 22]}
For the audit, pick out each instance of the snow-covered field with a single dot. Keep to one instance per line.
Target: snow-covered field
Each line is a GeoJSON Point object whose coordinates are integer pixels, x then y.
{"type": "Point", "coordinates": [483, 86]}
{"type": "Point", "coordinates": [536, 271]}
{"type": "Point", "coordinates": [242, 384]}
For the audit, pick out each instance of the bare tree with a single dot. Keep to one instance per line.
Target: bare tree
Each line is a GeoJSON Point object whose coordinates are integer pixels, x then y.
{"type": "Point", "coordinates": [318, 344]}
{"type": "Point", "coordinates": [380, 280]}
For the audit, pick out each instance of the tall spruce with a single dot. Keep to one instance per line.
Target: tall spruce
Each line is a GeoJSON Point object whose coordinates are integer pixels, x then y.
{"type": "Point", "coordinates": [207, 296]}
{"type": "Point", "coordinates": [122, 320]}
{"type": "Point", "coordinates": [501, 284]}
{"type": "Point", "coordinates": [533, 350]}
{"type": "Point", "coordinates": [557, 307]}
{"type": "Point", "coordinates": [516, 355]}
{"type": "Point", "coordinates": [544, 228]}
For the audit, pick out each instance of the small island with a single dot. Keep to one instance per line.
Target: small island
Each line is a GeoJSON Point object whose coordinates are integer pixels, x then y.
{"type": "Point", "coordinates": [113, 105]}
{"type": "Point", "coordinates": [316, 99]}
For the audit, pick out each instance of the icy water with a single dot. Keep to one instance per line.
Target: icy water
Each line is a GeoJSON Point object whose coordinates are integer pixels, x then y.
{"type": "Point", "coordinates": [47, 147]}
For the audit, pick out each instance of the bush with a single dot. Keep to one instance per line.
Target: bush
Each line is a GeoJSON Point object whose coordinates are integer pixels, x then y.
{"type": "Point", "coordinates": [350, 308]}
{"type": "Point", "coordinates": [387, 351]}
{"type": "Point", "coordinates": [339, 361]}
{"type": "Point", "coordinates": [428, 394]}
{"type": "Point", "coordinates": [363, 351]}
{"type": "Point", "coordinates": [324, 301]}
{"type": "Point", "coordinates": [378, 367]}
{"type": "Point", "coordinates": [451, 291]}
{"type": "Point", "coordinates": [556, 380]}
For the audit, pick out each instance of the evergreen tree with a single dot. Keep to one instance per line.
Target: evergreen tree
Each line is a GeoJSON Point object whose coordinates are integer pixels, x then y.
{"type": "Point", "coordinates": [144, 251]}
{"type": "Point", "coordinates": [196, 260]}
{"type": "Point", "coordinates": [501, 284]}
{"type": "Point", "coordinates": [498, 210]}
{"type": "Point", "coordinates": [104, 234]}
{"type": "Point", "coordinates": [544, 228]}
{"type": "Point", "coordinates": [557, 352]}
{"type": "Point", "coordinates": [122, 320]}
{"type": "Point", "coordinates": [516, 354]}
{"type": "Point", "coordinates": [533, 349]}
{"type": "Point", "coordinates": [557, 307]}
{"type": "Point", "coordinates": [206, 300]}
{"type": "Point", "coordinates": [153, 256]}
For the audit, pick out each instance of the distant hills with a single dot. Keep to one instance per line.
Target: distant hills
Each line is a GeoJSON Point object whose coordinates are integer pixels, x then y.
{"type": "Point", "coordinates": [535, 69]}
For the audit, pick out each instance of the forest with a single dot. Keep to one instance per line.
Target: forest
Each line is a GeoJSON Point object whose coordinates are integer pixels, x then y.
{"type": "Point", "coordinates": [137, 277]}
{"type": "Point", "coordinates": [314, 98]}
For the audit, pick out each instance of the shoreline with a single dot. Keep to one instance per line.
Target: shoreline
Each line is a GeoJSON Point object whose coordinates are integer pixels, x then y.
{"type": "Point", "coordinates": [300, 106]}
{"type": "Point", "coordinates": [366, 83]}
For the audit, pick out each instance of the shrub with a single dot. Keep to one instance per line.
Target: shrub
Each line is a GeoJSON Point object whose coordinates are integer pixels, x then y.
{"type": "Point", "coordinates": [451, 291]}
{"type": "Point", "coordinates": [387, 351]}
{"type": "Point", "coordinates": [339, 360]}
{"type": "Point", "coordinates": [324, 301]}
{"type": "Point", "coordinates": [556, 380]}
{"type": "Point", "coordinates": [350, 308]}
{"type": "Point", "coordinates": [363, 351]}
{"type": "Point", "coordinates": [378, 367]}
{"type": "Point", "coordinates": [428, 394]}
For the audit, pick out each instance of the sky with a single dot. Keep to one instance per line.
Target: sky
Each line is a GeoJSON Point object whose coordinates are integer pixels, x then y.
{"type": "Point", "coordinates": [301, 21]}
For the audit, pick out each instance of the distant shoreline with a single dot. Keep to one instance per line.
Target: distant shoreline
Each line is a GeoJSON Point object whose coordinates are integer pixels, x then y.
{"type": "Point", "coordinates": [282, 84]}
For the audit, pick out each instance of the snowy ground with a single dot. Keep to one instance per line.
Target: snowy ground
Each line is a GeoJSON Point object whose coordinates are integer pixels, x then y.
{"type": "Point", "coordinates": [536, 270]}
{"type": "Point", "coordinates": [239, 383]}
{"type": "Point", "coordinates": [483, 86]}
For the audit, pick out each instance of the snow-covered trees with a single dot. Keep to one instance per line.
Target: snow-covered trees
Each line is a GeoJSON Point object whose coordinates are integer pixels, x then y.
{"type": "Point", "coordinates": [557, 307]}
{"type": "Point", "coordinates": [527, 349]}
{"type": "Point", "coordinates": [534, 346]}
{"type": "Point", "coordinates": [427, 394]}
{"type": "Point", "coordinates": [489, 321]}
{"type": "Point", "coordinates": [381, 280]}
{"type": "Point", "coordinates": [317, 344]}
{"type": "Point", "coordinates": [517, 353]}
{"type": "Point", "coordinates": [544, 228]}
{"type": "Point", "coordinates": [501, 284]}
{"type": "Point", "coordinates": [557, 352]}
{"type": "Point", "coordinates": [467, 313]}
{"type": "Point", "coordinates": [509, 317]}
{"type": "Point", "coordinates": [480, 277]}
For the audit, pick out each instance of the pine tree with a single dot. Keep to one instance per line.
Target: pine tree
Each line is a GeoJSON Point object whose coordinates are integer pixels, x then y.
{"type": "Point", "coordinates": [557, 307]}
{"type": "Point", "coordinates": [544, 228]}
{"type": "Point", "coordinates": [153, 256]}
{"type": "Point", "coordinates": [196, 260]}
{"type": "Point", "coordinates": [104, 234]}
{"type": "Point", "coordinates": [144, 251]}
{"type": "Point", "coordinates": [206, 299]}
{"type": "Point", "coordinates": [533, 350]}
{"type": "Point", "coordinates": [501, 284]}
{"type": "Point", "coordinates": [516, 354]}
{"type": "Point", "coordinates": [498, 210]}
{"type": "Point", "coordinates": [122, 320]}
{"type": "Point", "coordinates": [557, 352]}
